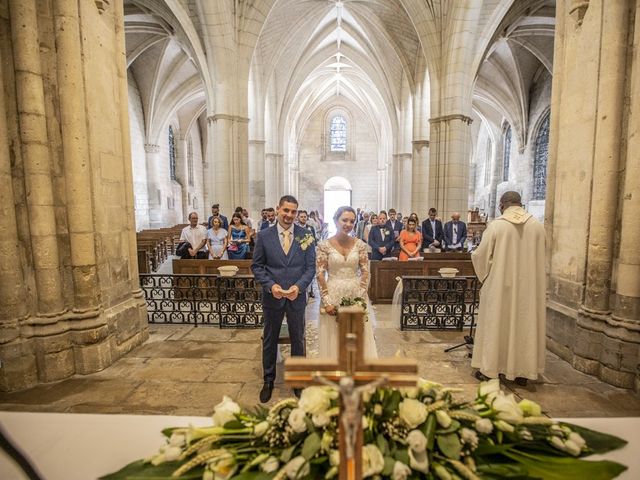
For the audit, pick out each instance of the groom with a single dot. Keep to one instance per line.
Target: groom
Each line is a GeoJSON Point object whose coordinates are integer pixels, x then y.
{"type": "Point", "coordinates": [284, 265]}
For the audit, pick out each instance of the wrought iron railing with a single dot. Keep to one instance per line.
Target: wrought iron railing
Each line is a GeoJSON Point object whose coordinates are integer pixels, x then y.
{"type": "Point", "coordinates": [227, 302]}
{"type": "Point", "coordinates": [436, 303]}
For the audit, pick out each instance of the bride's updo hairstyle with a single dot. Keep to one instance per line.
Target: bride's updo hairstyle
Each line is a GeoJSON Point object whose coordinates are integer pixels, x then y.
{"type": "Point", "coordinates": [340, 211]}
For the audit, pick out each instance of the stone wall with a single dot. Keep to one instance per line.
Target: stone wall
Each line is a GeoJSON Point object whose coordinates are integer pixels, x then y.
{"type": "Point", "coordinates": [593, 191]}
{"type": "Point", "coordinates": [138, 156]}
{"type": "Point", "coordinates": [70, 297]}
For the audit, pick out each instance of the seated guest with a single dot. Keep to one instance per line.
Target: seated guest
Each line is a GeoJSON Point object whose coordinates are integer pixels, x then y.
{"type": "Point", "coordinates": [410, 241]}
{"type": "Point", "coordinates": [239, 238]}
{"type": "Point", "coordinates": [432, 233]}
{"type": "Point", "coordinates": [271, 219]}
{"type": "Point", "coordinates": [455, 233]}
{"type": "Point", "coordinates": [215, 212]}
{"type": "Point", "coordinates": [217, 240]}
{"type": "Point", "coordinates": [263, 219]}
{"type": "Point", "coordinates": [381, 238]}
{"type": "Point", "coordinates": [196, 235]}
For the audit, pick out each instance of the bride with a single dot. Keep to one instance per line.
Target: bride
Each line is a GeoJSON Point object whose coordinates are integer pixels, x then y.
{"type": "Point", "coordinates": [342, 270]}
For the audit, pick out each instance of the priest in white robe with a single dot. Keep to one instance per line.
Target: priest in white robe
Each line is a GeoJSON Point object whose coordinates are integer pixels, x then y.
{"type": "Point", "coordinates": [510, 263]}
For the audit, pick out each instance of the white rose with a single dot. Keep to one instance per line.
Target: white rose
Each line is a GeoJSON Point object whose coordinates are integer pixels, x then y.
{"type": "Point", "coordinates": [507, 408]}
{"type": "Point", "coordinates": [334, 458]}
{"type": "Point", "coordinates": [296, 420]}
{"type": "Point", "coordinates": [400, 471]}
{"type": "Point", "coordinates": [489, 389]}
{"type": "Point", "coordinates": [297, 467]}
{"type": "Point", "coordinates": [417, 441]}
{"type": "Point", "coordinates": [261, 428]}
{"type": "Point", "coordinates": [372, 461]}
{"type": "Point", "coordinates": [443, 418]}
{"type": "Point", "coordinates": [484, 425]}
{"type": "Point", "coordinates": [320, 419]}
{"type": "Point", "coordinates": [172, 453]}
{"type": "Point", "coordinates": [225, 412]}
{"type": "Point", "coordinates": [270, 465]}
{"type": "Point", "coordinates": [315, 400]}
{"type": "Point", "coordinates": [412, 412]}
{"type": "Point", "coordinates": [530, 408]}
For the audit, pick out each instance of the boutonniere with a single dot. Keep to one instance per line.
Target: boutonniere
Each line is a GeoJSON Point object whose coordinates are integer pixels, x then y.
{"type": "Point", "coordinates": [305, 241]}
{"type": "Point", "coordinates": [385, 231]}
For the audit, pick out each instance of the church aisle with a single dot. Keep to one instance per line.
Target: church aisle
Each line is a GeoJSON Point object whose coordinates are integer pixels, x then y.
{"type": "Point", "coordinates": [182, 370]}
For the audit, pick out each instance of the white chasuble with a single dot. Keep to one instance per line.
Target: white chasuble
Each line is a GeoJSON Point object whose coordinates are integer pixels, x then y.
{"type": "Point", "coordinates": [510, 263]}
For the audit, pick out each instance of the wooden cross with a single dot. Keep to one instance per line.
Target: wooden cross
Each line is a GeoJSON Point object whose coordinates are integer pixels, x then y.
{"type": "Point", "coordinates": [351, 365]}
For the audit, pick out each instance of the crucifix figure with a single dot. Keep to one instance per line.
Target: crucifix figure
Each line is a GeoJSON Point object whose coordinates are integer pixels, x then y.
{"type": "Point", "coordinates": [350, 375]}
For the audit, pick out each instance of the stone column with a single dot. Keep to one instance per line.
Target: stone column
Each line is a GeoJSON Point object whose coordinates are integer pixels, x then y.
{"type": "Point", "coordinates": [606, 159]}
{"type": "Point", "coordinates": [401, 187]}
{"type": "Point", "coordinates": [231, 172]}
{"type": "Point", "coordinates": [35, 153]}
{"type": "Point", "coordinates": [420, 178]}
{"type": "Point", "coordinates": [273, 177]}
{"type": "Point", "coordinates": [152, 153]}
{"type": "Point", "coordinates": [496, 178]}
{"type": "Point", "coordinates": [75, 147]}
{"type": "Point", "coordinates": [449, 163]}
{"type": "Point", "coordinates": [383, 199]}
{"type": "Point", "coordinates": [257, 178]}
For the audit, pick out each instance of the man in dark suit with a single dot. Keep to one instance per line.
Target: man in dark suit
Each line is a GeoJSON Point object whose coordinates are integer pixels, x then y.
{"type": "Point", "coordinates": [284, 266]}
{"type": "Point", "coordinates": [381, 238]}
{"type": "Point", "coordinates": [455, 233]}
{"type": "Point", "coordinates": [215, 212]}
{"type": "Point", "coordinates": [432, 232]}
{"type": "Point", "coordinates": [271, 219]}
{"type": "Point", "coordinates": [395, 226]}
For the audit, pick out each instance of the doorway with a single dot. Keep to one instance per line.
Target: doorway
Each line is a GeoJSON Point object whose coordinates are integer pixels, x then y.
{"type": "Point", "coordinates": [337, 193]}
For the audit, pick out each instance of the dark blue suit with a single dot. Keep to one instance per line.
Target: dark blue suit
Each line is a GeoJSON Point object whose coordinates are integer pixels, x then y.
{"type": "Point", "coordinates": [271, 266]}
{"type": "Point", "coordinates": [376, 241]}
{"type": "Point", "coordinates": [448, 233]}
{"type": "Point", "coordinates": [223, 219]}
{"type": "Point", "coordinates": [396, 228]}
{"type": "Point", "coordinates": [428, 235]}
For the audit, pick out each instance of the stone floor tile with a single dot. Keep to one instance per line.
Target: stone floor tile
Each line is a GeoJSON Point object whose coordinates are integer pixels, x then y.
{"type": "Point", "coordinates": [236, 371]}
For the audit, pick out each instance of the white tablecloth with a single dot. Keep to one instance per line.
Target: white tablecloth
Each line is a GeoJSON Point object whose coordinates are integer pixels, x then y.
{"type": "Point", "coordinates": [85, 446]}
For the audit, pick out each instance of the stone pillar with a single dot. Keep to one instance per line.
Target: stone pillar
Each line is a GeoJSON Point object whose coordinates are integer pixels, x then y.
{"type": "Point", "coordinates": [420, 178]}
{"type": "Point", "coordinates": [383, 200]}
{"type": "Point", "coordinates": [606, 159]}
{"type": "Point", "coordinates": [449, 163]}
{"type": "Point", "coordinates": [75, 148]}
{"type": "Point", "coordinates": [402, 188]}
{"type": "Point", "coordinates": [152, 153]}
{"type": "Point", "coordinates": [273, 178]}
{"type": "Point", "coordinates": [35, 153]}
{"type": "Point", "coordinates": [257, 178]}
{"type": "Point", "coordinates": [231, 170]}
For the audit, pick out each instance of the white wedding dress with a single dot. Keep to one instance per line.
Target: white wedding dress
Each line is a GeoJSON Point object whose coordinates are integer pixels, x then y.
{"type": "Point", "coordinates": [341, 277]}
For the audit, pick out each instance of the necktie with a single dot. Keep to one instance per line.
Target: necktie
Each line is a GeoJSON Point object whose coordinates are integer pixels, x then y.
{"type": "Point", "coordinates": [286, 246]}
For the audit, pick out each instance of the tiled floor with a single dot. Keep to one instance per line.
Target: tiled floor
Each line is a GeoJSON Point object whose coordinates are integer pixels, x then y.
{"type": "Point", "coordinates": [184, 370]}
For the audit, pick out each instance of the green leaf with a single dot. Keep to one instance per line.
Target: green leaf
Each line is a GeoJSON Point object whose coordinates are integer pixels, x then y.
{"type": "Point", "coordinates": [402, 455]}
{"type": "Point", "coordinates": [430, 431]}
{"type": "Point", "coordinates": [449, 445]}
{"type": "Point", "coordinates": [503, 470]}
{"type": "Point", "coordinates": [565, 468]}
{"type": "Point", "coordinates": [596, 441]}
{"type": "Point", "coordinates": [311, 446]}
{"type": "Point", "coordinates": [253, 476]}
{"type": "Point", "coordinates": [142, 470]}
{"type": "Point", "coordinates": [234, 425]}
{"type": "Point", "coordinates": [388, 466]}
{"type": "Point", "coordinates": [454, 427]}
{"type": "Point", "coordinates": [383, 445]}
{"type": "Point", "coordinates": [286, 454]}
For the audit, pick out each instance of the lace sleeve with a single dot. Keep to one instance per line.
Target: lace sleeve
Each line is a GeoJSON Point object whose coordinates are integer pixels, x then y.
{"type": "Point", "coordinates": [363, 261]}
{"type": "Point", "coordinates": [322, 263]}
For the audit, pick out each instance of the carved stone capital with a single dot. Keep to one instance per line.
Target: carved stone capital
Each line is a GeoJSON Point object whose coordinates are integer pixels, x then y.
{"type": "Point", "coordinates": [418, 145]}
{"type": "Point", "coordinates": [151, 148]}
{"type": "Point", "coordinates": [453, 116]}
{"type": "Point", "coordinates": [225, 116]}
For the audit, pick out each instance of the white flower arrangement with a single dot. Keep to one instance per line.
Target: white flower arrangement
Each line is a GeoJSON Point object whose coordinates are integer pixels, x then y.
{"type": "Point", "coordinates": [408, 434]}
{"type": "Point", "coordinates": [306, 241]}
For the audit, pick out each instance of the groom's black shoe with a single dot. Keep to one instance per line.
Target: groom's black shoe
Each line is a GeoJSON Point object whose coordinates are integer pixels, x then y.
{"type": "Point", "coordinates": [265, 393]}
{"type": "Point", "coordinates": [297, 392]}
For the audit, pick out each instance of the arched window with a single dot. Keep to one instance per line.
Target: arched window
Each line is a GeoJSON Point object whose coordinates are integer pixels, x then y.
{"type": "Point", "coordinates": [507, 155]}
{"type": "Point", "coordinates": [540, 156]}
{"type": "Point", "coordinates": [338, 134]}
{"type": "Point", "coordinates": [172, 155]}
{"type": "Point", "coordinates": [190, 160]}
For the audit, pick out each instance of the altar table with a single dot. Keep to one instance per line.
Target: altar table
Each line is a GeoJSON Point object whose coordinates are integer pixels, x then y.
{"type": "Point", "coordinates": [67, 446]}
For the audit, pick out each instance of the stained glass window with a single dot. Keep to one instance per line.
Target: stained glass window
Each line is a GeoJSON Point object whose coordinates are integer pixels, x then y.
{"type": "Point", "coordinates": [172, 155]}
{"type": "Point", "coordinates": [507, 155]}
{"type": "Point", "coordinates": [338, 134]}
{"type": "Point", "coordinates": [540, 157]}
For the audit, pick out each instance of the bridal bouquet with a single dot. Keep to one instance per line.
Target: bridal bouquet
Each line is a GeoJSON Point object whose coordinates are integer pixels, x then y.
{"type": "Point", "coordinates": [409, 433]}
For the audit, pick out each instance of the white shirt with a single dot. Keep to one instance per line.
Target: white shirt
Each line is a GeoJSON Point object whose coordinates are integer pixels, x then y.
{"type": "Point", "coordinates": [281, 234]}
{"type": "Point", "coordinates": [194, 236]}
{"type": "Point", "coordinates": [454, 236]}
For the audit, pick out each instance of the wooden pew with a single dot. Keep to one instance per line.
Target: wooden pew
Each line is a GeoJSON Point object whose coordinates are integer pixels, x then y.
{"type": "Point", "coordinates": [208, 267]}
